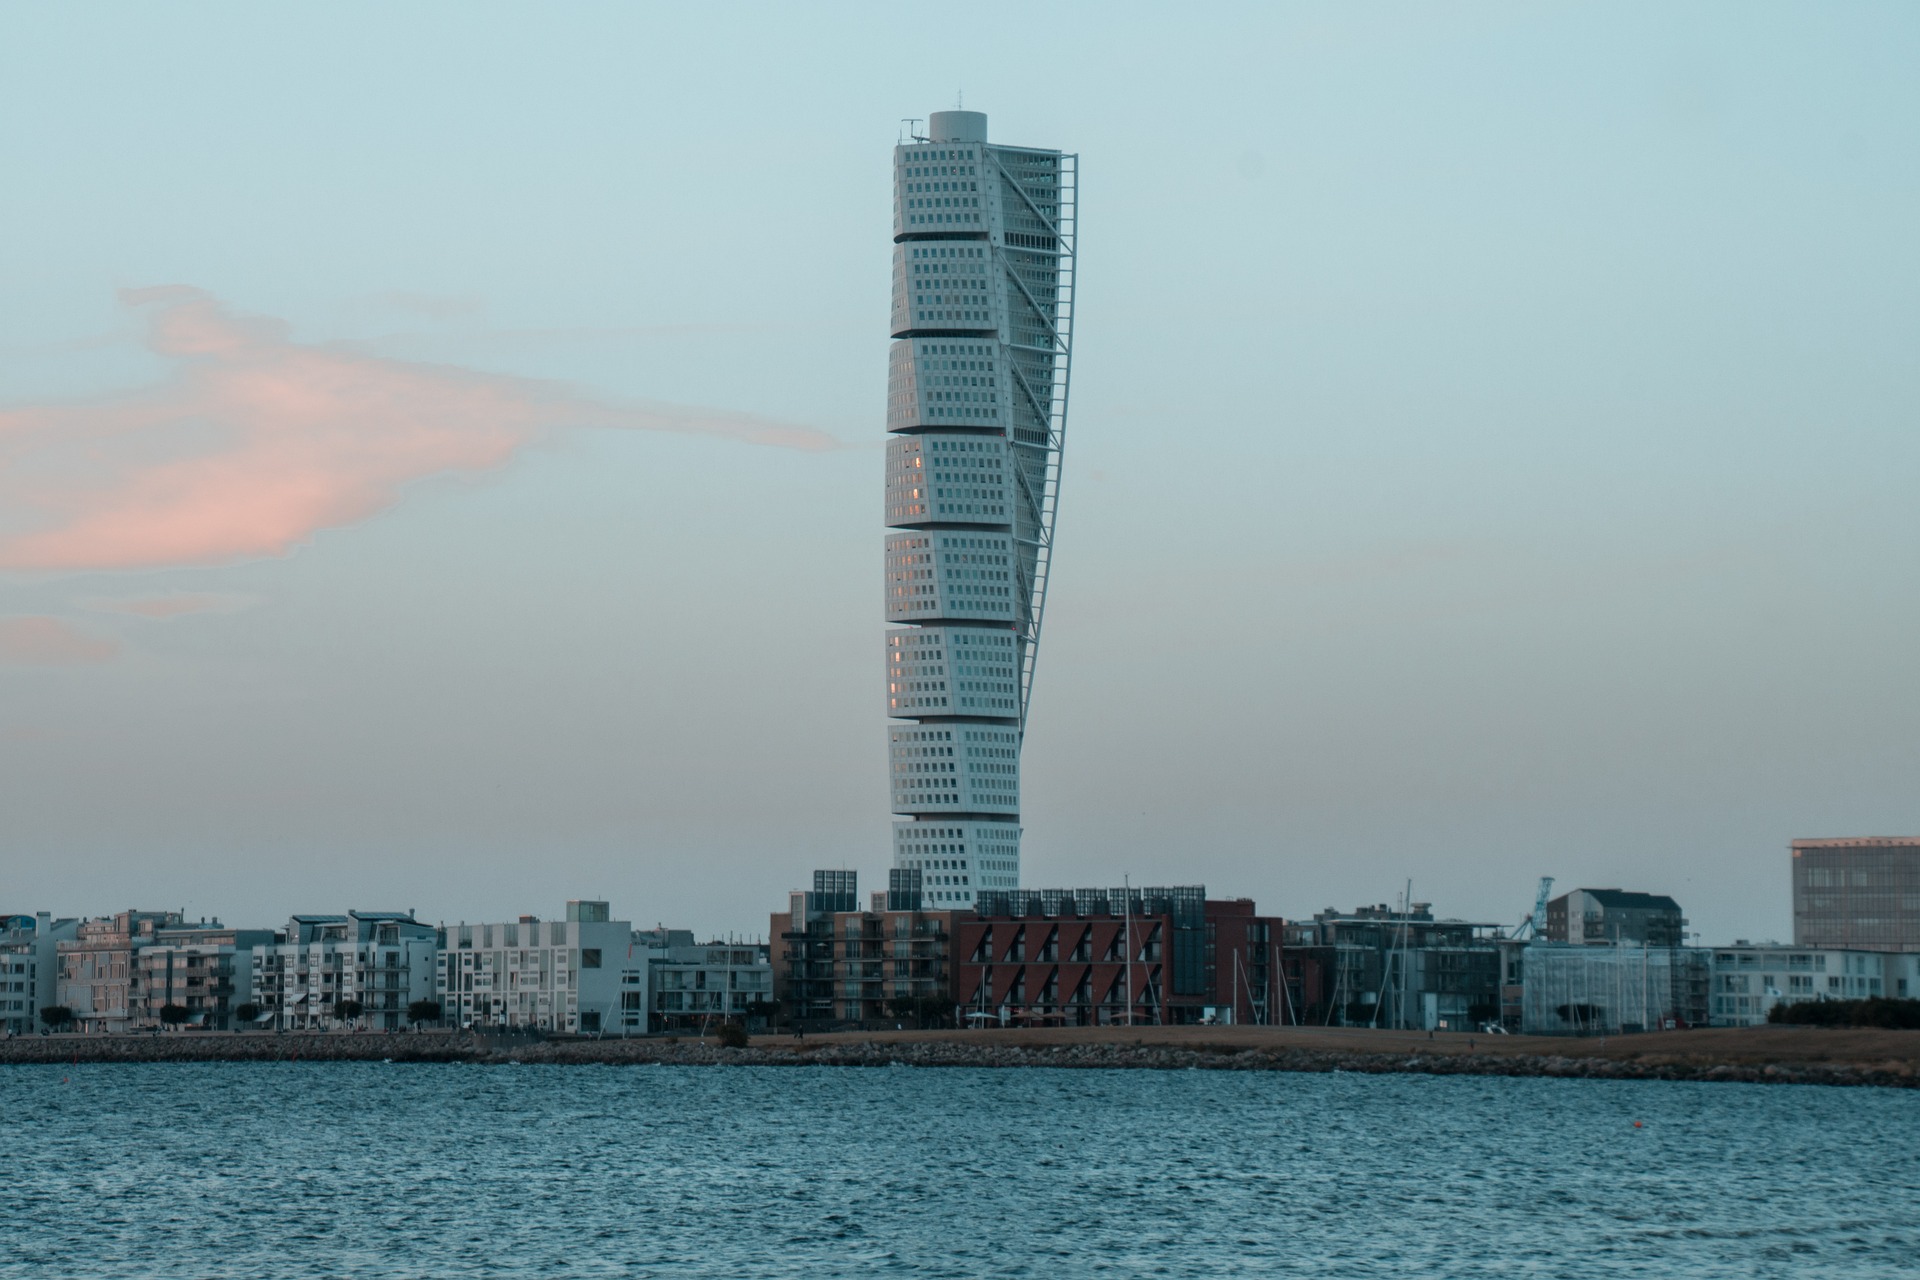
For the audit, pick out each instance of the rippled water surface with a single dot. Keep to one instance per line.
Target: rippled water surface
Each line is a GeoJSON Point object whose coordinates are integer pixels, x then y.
{"type": "Point", "coordinates": [270, 1170]}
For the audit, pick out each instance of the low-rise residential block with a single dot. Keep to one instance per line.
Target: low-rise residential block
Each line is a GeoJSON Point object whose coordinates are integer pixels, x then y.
{"type": "Point", "coordinates": [1381, 966]}
{"type": "Point", "coordinates": [692, 985]}
{"type": "Point", "coordinates": [194, 976]}
{"type": "Point", "coordinates": [580, 974]}
{"type": "Point", "coordinates": [1749, 979]}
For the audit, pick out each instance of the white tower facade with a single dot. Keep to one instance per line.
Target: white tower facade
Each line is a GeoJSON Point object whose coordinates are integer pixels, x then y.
{"type": "Point", "coordinates": [977, 378]}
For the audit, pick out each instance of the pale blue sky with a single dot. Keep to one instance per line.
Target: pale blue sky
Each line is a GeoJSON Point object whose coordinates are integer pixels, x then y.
{"type": "Point", "coordinates": [1492, 452]}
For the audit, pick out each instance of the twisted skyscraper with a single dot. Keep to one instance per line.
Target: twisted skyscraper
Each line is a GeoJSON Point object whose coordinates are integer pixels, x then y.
{"type": "Point", "coordinates": [977, 379]}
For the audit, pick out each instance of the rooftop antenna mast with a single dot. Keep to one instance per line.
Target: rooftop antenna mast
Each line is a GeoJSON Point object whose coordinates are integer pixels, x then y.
{"type": "Point", "coordinates": [1406, 931]}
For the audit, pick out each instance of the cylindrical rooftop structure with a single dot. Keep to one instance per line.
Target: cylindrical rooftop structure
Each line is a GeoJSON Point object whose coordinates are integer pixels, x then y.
{"type": "Point", "coordinates": [957, 126]}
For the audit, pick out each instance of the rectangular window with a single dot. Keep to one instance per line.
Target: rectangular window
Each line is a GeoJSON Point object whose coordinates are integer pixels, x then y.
{"type": "Point", "coordinates": [590, 957]}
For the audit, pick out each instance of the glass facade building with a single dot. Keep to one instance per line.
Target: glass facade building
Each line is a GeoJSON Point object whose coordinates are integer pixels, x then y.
{"type": "Point", "coordinates": [1861, 893]}
{"type": "Point", "coordinates": [977, 379]}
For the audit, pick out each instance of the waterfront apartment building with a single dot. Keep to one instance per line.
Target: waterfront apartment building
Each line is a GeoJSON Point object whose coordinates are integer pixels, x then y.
{"type": "Point", "coordinates": [97, 978]}
{"type": "Point", "coordinates": [203, 971]}
{"type": "Point", "coordinates": [1588, 989]}
{"type": "Point", "coordinates": [1861, 893]}
{"type": "Point", "coordinates": [1512, 950]}
{"type": "Point", "coordinates": [1749, 979]}
{"type": "Point", "coordinates": [579, 974]}
{"type": "Point", "coordinates": [694, 985]}
{"type": "Point", "coordinates": [977, 378]}
{"type": "Point", "coordinates": [381, 960]}
{"type": "Point", "coordinates": [834, 963]}
{"type": "Point", "coordinates": [1615, 917]}
{"type": "Point", "coordinates": [1098, 957]}
{"type": "Point", "coordinates": [803, 946]}
{"type": "Point", "coordinates": [1402, 968]}
{"type": "Point", "coordinates": [1046, 957]}
{"type": "Point", "coordinates": [30, 967]}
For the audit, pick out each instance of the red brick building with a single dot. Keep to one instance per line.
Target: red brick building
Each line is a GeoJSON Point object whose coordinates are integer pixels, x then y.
{"type": "Point", "coordinates": [1093, 957]}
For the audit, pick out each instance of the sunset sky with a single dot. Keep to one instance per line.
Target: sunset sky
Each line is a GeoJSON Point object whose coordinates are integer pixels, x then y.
{"type": "Point", "coordinates": [440, 450]}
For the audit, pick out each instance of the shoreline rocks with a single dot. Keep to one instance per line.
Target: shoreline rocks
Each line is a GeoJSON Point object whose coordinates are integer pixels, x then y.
{"type": "Point", "coordinates": [435, 1047]}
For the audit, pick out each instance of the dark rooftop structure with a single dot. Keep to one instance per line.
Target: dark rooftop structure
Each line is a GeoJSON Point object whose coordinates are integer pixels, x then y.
{"type": "Point", "coordinates": [1617, 917]}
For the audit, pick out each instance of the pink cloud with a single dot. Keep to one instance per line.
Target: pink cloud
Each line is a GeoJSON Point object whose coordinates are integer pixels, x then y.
{"type": "Point", "coordinates": [49, 642]}
{"type": "Point", "coordinates": [175, 605]}
{"type": "Point", "coordinates": [256, 442]}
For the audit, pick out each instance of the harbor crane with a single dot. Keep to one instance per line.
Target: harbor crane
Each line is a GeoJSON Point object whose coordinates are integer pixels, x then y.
{"type": "Point", "coordinates": [1535, 925]}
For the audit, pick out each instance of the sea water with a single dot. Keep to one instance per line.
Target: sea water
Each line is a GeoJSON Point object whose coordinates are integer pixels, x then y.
{"type": "Point", "coordinates": [375, 1170]}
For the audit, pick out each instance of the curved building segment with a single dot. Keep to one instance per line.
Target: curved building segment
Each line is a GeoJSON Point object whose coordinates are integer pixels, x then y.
{"type": "Point", "coordinates": [982, 325]}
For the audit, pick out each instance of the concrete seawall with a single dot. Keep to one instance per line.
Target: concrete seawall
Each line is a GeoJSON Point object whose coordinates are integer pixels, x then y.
{"type": "Point", "coordinates": [935, 1051]}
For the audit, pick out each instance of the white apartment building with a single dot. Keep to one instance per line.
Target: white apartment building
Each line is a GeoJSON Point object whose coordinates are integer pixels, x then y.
{"type": "Point", "coordinates": [29, 967]}
{"type": "Point", "coordinates": [382, 960]}
{"type": "Point", "coordinates": [1749, 979]}
{"type": "Point", "coordinates": [580, 974]}
{"type": "Point", "coordinates": [982, 327]}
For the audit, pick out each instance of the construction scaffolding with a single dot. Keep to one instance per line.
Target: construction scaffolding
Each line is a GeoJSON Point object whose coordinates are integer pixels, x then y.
{"type": "Point", "coordinates": [1611, 990]}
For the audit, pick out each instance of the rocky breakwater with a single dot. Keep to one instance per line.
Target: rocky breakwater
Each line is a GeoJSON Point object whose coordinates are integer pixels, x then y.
{"type": "Point", "coordinates": [242, 1047]}
{"type": "Point", "coordinates": [959, 1051]}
